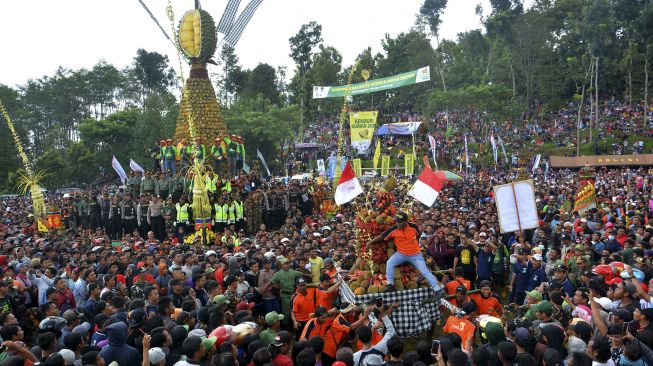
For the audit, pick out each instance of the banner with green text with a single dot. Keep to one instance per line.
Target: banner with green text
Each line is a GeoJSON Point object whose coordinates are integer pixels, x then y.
{"type": "Point", "coordinates": [370, 86]}
{"type": "Point", "coordinates": [362, 126]}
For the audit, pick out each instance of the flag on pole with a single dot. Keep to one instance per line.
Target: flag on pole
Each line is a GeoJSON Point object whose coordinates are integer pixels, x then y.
{"type": "Point", "coordinates": [432, 143]}
{"type": "Point", "coordinates": [536, 164]}
{"type": "Point", "coordinates": [377, 154]}
{"type": "Point", "coordinates": [135, 167]}
{"type": "Point", "coordinates": [503, 148]}
{"type": "Point", "coordinates": [265, 165]}
{"type": "Point", "coordinates": [118, 168]}
{"type": "Point", "coordinates": [428, 186]}
{"type": "Point", "coordinates": [495, 151]}
{"type": "Point", "coordinates": [348, 186]}
{"type": "Point", "coordinates": [466, 154]}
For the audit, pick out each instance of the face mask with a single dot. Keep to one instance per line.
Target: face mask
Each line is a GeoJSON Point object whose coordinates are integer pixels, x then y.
{"type": "Point", "coordinates": [611, 237]}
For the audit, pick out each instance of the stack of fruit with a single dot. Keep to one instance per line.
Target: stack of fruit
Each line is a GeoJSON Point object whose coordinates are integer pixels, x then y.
{"type": "Point", "coordinates": [369, 275]}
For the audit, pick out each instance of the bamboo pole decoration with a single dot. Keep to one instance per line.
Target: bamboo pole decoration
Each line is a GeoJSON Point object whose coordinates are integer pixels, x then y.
{"type": "Point", "coordinates": [342, 120]}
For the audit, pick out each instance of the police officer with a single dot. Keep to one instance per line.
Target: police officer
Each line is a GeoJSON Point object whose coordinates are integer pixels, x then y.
{"type": "Point", "coordinates": [114, 218]}
{"type": "Point", "coordinates": [220, 210]}
{"type": "Point", "coordinates": [141, 214]}
{"type": "Point", "coordinates": [128, 211]}
{"type": "Point", "coordinates": [219, 153]}
{"type": "Point", "coordinates": [183, 214]}
{"type": "Point", "coordinates": [165, 182]}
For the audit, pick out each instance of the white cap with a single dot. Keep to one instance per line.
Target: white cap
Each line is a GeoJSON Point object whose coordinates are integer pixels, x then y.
{"type": "Point", "coordinates": [96, 248]}
{"type": "Point", "coordinates": [568, 224]}
{"type": "Point", "coordinates": [605, 303]}
{"type": "Point", "coordinates": [197, 333]}
{"type": "Point", "coordinates": [66, 195]}
{"type": "Point", "coordinates": [285, 240]}
{"type": "Point", "coordinates": [68, 356]}
{"type": "Point", "coordinates": [537, 257]}
{"type": "Point", "coordinates": [210, 252]}
{"type": "Point", "coordinates": [326, 228]}
{"type": "Point", "coordinates": [317, 234]}
{"type": "Point", "coordinates": [268, 255]}
{"type": "Point", "coordinates": [156, 355]}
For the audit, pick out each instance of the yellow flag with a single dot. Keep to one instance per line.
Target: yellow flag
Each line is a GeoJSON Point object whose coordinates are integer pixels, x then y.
{"type": "Point", "coordinates": [42, 227]}
{"type": "Point", "coordinates": [357, 167]}
{"type": "Point", "coordinates": [377, 154]}
{"type": "Point", "coordinates": [409, 164]}
{"type": "Point", "coordinates": [385, 165]}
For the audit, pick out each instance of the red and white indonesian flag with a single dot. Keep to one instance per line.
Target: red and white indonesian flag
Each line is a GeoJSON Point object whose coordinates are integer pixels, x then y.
{"type": "Point", "coordinates": [428, 186]}
{"type": "Point", "coordinates": [348, 186]}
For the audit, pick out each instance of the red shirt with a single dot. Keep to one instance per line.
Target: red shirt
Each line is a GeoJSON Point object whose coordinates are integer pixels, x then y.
{"type": "Point", "coordinates": [282, 360]}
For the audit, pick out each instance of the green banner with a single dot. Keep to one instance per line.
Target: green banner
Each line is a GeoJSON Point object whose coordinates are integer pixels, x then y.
{"type": "Point", "coordinates": [370, 86]}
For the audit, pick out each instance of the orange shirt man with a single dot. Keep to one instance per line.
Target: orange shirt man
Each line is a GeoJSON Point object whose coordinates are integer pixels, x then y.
{"type": "Point", "coordinates": [462, 326]}
{"type": "Point", "coordinates": [486, 304]}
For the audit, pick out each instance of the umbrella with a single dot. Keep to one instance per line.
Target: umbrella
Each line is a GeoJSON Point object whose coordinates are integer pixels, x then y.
{"type": "Point", "coordinates": [451, 176]}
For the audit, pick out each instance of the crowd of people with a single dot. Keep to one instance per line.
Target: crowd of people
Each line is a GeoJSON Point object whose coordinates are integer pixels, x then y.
{"type": "Point", "coordinates": [268, 293]}
{"type": "Point", "coordinates": [128, 277]}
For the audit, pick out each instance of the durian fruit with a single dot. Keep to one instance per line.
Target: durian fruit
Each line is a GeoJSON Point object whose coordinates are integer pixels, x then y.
{"type": "Point", "coordinates": [198, 102]}
{"type": "Point", "coordinates": [365, 284]}
{"type": "Point", "coordinates": [359, 291]}
{"type": "Point", "coordinates": [411, 285]}
{"type": "Point", "coordinates": [197, 35]}
{"type": "Point", "coordinates": [390, 184]}
{"type": "Point", "coordinates": [355, 284]}
{"type": "Point", "coordinates": [399, 285]}
{"type": "Point", "coordinates": [373, 289]}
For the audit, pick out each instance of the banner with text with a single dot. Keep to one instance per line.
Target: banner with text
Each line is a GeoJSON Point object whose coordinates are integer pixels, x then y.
{"type": "Point", "coordinates": [362, 125]}
{"type": "Point", "coordinates": [385, 165]}
{"type": "Point", "coordinates": [370, 86]}
{"type": "Point", "coordinates": [409, 164]}
{"type": "Point", "coordinates": [356, 165]}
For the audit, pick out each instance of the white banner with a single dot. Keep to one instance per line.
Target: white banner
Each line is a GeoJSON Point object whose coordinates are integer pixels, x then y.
{"type": "Point", "coordinates": [135, 167]}
{"type": "Point", "coordinates": [537, 162]}
{"type": "Point", "coordinates": [495, 151]}
{"type": "Point", "coordinates": [118, 168]}
{"type": "Point", "coordinates": [516, 206]}
{"type": "Point", "coordinates": [265, 165]}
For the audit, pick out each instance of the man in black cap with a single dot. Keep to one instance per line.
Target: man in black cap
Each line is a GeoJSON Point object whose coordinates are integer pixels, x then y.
{"type": "Point", "coordinates": [560, 275]}
{"type": "Point", "coordinates": [406, 238]}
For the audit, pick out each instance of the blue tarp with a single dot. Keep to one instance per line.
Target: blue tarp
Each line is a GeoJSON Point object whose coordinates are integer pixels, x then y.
{"type": "Point", "coordinates": [399, 128]}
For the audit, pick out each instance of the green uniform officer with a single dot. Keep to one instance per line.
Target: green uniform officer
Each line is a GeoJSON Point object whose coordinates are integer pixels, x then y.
{"type": "Point", "coordinates": [286, 278]}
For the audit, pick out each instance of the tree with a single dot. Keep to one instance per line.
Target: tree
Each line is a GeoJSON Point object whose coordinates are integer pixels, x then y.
{"type": "Point", "coordinates": [262, 80]}
{"type": "Point", "coordinates": [301, 49]}
{"type": "Point", "coordinates": [9, 160]}
{"type": "Point", "coordinates": [234, 76]}
{"type": "Point", "coordinates": [430, 13]}
{"type": "Point", "coordinates": [152, 72]}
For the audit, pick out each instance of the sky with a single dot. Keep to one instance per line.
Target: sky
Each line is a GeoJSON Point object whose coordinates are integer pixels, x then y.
{"type": "Point", "coordinates": [39, 36]}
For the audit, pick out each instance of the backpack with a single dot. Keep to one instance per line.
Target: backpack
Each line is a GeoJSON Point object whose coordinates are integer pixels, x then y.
{"type": "Point", "coordinates": [371, 351]}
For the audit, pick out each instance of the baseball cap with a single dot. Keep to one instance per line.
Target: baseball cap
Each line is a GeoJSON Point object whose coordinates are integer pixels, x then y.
{"type": "Point", "coordinates": [535, 295]}
{"type": "Point", "coordinates": [273, 317]}
{"type": "Point", "coordinates": [544, 306]}
{"type": "Point", "coordinates": [301, 281]}
{"type": "Point", "coordinates": [68, 356]}
{"type": "Point", "coordinates": [604, 302]}
{"type": "Point", "coordinates": [623, 314]}
{"type": "Point", "coordinates": [522, 335]}
{"type": "Point", "coordinates": [197, 333]}
{"type": "Point", "coordinates": [285, 240]}
{"type": "Point", "coordinates": [70, 315]}
{"type": "Point", "coordinates": [208, 342]}
{"type": "Point", "coordinates": [560, 268]}
{"type": "Point", "coordinates": [244, 305]}
{"type": "Point", "coordinates": [282, 260]}
{"type": "Point", "coordinates": [461, 290]}
{"type": "Point", "coordinates": [82, 329]}
{"type": "Point", "coordinates": [156, 355]}
{"type": "Point", "coordinates": [283, 337]}
{"type": "Point", "coordinates": [220, 300]}
{"type": "Point", "coordinates": [537, 257]}
{"type": "Point", "coordinates": [210, 253]}
{"type": "Point", "coordinates": [137, 317]}
{"type": "Point", "coordinates": [373, 360]}
{"type": "Point", "coordinates": [401, 216]}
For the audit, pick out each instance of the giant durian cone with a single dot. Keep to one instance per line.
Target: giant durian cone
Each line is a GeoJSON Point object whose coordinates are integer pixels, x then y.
{"type": "Point", "coordinates": [199, 97]}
